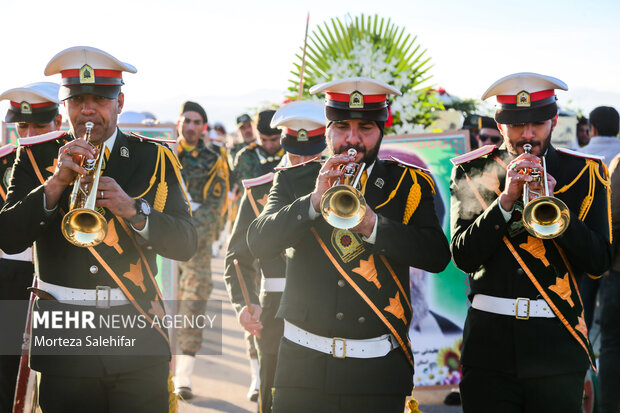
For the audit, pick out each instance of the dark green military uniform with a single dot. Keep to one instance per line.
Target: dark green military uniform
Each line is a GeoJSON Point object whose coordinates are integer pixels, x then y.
{"type": "Point", "coordinates": [236, 148]}
{"type": "Point", "coordinates": [321, 299]}
{"type": "Point", "coordinates": [132, 163]}
{"type": "Point", "coordinates": [252, 203]}
{"type": "Point", "coordinates": [253, 161]}
{"type": "Point", "coordinates": [527, 351]}
{"type": "Point", "coordinates": [206, 183]}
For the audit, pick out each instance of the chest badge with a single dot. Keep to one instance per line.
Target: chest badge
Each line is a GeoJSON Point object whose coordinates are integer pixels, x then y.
{"type": "Point", "coordinates": [379, 183]}
{"type": "Point", "coordinates": [124, 152]}
{"type": "Point", "coordinates": [346, 244]}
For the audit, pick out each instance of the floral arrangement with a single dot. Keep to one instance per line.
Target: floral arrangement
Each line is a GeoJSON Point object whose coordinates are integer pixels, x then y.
{"type": "Point", "coordinates": [446, 369]}
{"type": "Point", "coordinates": [373, 47]}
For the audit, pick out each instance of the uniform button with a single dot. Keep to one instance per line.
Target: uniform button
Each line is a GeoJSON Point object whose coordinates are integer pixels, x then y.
{"type": "Point", "coordinates": [148, 247]}
{"type": "Point", "coordinates": [520, 271]}
{"type": "Point", "coordinates": [340, 316]}
{"type": "Point", "coordinates": [42, 223]}
{"type": "Point", "coordinates": [496, 227]}
{"type": "Point", "coordinates": [94, 269]}
{"type": "Point", "coordinates": [341, 283]}
{"type": "Point", "coordinates": [361, 320]}
{"type": "Point", "coordinates": [298, 217]}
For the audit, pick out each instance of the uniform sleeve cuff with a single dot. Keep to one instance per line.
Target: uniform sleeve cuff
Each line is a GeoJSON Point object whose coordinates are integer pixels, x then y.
{"type": "Point", "coordinates": [144, 232]}
{"type": "Point", "coordinates": [372, 238]}
{"type": "Point", "coordinates": [506, 214]}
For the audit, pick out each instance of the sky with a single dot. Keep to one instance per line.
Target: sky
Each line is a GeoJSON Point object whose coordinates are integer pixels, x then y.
{"type": "Point", "coordinates": [233, 56]}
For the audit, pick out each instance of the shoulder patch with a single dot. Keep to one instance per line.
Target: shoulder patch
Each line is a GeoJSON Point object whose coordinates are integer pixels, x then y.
{"type": "Point", "coordinates": [580, 154]}
{"type": "Point", "coordinates": [281, 168]}
{"type": "Point", "coordinates": [7, 150]}
{"type": "Point", "coordinates": [410, 165]}
{"type": "Point", "coordinates": [149, 139]}
{"type": "Point", "coordinates": [470, 156]}
{"type": "Point", "coordinates": [252, 182]}
{"type": "Point", "coordinates": [46, 137]}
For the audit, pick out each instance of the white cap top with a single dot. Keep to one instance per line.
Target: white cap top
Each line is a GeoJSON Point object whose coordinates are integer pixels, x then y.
{"type": "Point", "coordinates": [364, 85]}
{"type": "Point", "coordinates": [525, 81]}
{"type": "Point", "coordinates": [300, 114]}
{"type": "Point", "coordinates": [40, 92]}
{"type": "Point", "coordinates": [78, 56]}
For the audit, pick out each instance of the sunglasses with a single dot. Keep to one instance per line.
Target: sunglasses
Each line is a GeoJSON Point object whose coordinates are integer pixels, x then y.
{"type": "Point", "coordinates": [493, 139]}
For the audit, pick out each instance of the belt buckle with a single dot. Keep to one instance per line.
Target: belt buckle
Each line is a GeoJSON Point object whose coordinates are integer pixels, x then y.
{"type": "Point", "coordinates": [344, 347]}
{"type": "Point", "coordinates": [527, 314]}
{"type": "Point", "coordinates": [102, 288]}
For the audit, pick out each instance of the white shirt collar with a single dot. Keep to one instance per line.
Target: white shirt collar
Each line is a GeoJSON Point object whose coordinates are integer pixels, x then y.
{"type": "Point", "coordinates": [109, 143]}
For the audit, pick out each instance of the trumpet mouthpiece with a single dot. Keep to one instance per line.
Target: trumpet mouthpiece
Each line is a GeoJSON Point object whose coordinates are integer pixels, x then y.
{"type": "Point", "coordinates": [351, 152]}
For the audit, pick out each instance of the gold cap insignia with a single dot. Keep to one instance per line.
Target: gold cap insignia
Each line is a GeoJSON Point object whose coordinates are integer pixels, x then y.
{"type": "Point", "coordinates": [302, 135]}
{"type": "Point", "coordinates": [523, 99]}
{"type": "Point", "coordinates": [356, 100]}
{"type": "Point", "coordinates": [25, 108]}
{"type": "Point", "coordinates": [124, 152]}
{"type": "Point", "coordinates": [87, 74]}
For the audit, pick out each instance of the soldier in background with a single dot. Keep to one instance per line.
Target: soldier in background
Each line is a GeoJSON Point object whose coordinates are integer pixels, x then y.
{"type": "Point", "coordinates": [245, 129]}
{"type": "Point", "coordinates": [206, 184]}
{"type": "Point", "coordinates": [303, 138]}
{"type": "Point", "coordinates": [34, 111]}
{"type": "Point", "coordinates": [257, 159]}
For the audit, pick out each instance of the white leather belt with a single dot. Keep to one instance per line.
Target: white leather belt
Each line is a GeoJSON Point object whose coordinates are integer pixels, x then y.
{"type": "Point", "coordinates": [521, 308]}
{"type": "Point", "coordinates": [25, 255]}
{"type": "Point", "coordinates": [272, 285]}
{"type": "Point", "coordinates": [102, 296]}
{"type": "Point", "coordinates": [341, 347]}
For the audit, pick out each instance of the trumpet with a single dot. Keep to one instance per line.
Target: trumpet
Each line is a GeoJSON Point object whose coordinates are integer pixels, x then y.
{"type": "Point", "coordinates": [343, 205]}
{"type": "Point", "coordinates": [83, 226]}
{"type": "Point", "coordinates": [545, 216]}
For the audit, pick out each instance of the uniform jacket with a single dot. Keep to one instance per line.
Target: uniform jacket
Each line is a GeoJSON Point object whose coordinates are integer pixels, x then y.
{"type": "Point", "coordinates": [317, 298]}
{"type": "Point", "coordinates": [538, 346]}
{"type": "Point", "coordinates": [171, 232]}
{"type": "Point", "coordinates": [255, 196]}
{"type": "Point", "coordinates": [253, 161]}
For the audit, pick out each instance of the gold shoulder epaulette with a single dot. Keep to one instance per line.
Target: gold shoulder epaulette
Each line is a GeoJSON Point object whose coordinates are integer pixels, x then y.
{"type": "Point", "coordinates": [281, 168]}
{"type": "Point", "coordinates": [7, 150]}
{"type": "Point", "coordinates": [261, 180]}
{"type": "Point", "coordinates": [46, 137]}
{"type": "Point", "coordinates": [475, 154]}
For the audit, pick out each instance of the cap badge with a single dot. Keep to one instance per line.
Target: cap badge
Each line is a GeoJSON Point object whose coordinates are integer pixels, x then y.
{"type": "Point", "coordinates": [124, 152]}
{"type": "Point", "coordinates": [302, 135]}
{"type": "Point", "coordinates": [87, 74]}
{"type": "Point", "coordinates": [25, 108]}
{"type": "Point", "coordinates": [523, 99]}
{"type": "Point", "coordinates": [379, 183]}
{"type": "Point", "coordinates": [356, 100]}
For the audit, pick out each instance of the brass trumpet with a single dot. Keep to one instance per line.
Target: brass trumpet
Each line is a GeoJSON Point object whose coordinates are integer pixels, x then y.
{"type": "Point", "coordinates": [343, 205]}
{"type": "Point", "coordinates": [83, 226]}
{"type": "Point", "coordinates": [545, 216]}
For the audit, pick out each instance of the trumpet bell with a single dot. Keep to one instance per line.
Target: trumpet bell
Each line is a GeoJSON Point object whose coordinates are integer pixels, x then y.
{"type": "Point", "coordinates": [343, 206]}
{"type": "Point", "coordinates": [546, 217]}
{"type": "Point", "coordinates": [84, 227]}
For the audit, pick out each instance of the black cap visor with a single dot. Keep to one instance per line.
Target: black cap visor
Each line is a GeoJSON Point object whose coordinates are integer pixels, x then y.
{"type": "Point", "coordinates": [313, 147]}
{"type": "Point", "coordinates": [37, 116]}
{"type": "Point", "coordinates": [106, 91]}
{"type": "Point", "coordinates": [526, 115]}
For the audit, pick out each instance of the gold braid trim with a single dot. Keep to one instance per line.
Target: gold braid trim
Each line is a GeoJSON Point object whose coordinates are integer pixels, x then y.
{"type": "Point", "coordinates": [154, 177]}
{"type": "Point", "coordinates": [567, 186]}
{"type": "Point", "coordinates": [393, 193]}
{"type": "Point", "coordinates": [606, 181]}
{"type": "Point", "coordinates": [211, 174]}
{"type": "Point", "coordinates": [413, 199]}
{"type": "Point", "coordinates": [161, 195]}
{"type": "Point", "coordinates": [176, 166]}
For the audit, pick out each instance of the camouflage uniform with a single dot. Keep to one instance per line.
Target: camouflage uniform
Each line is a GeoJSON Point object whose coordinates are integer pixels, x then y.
{"type": "Point", "coordinates": [235, 149]}
{"type": "Point", "coordinates": [223, 154]}
{"type": "Point", "coordinates": [253, 161]}
{"type": "Point", "coordinates": [206, 181]}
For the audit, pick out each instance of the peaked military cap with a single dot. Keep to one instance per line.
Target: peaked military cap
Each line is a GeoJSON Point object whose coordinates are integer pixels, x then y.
{"type": "Point", "coordinates": [303, 127]}
{"type": "Point", "coordinates": [86, 70]}
{"type": "Point", "coordinates": [35, 103]}
{"type": "Point", "coordinates": [525, 97]}
{"type": "Point", "coordinates": [243, 118]}
{"type": "Point", "coordinates": [356, 98]}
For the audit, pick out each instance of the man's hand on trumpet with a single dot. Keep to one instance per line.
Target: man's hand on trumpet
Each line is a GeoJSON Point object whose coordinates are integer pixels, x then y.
{"type": "Point", "coordinates": [519, 172]}
{"type": "Point", "coordinates": [327, 176]}
{"type": "Point", "coordinates": [68, 167]}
